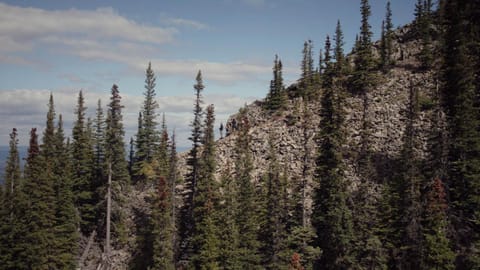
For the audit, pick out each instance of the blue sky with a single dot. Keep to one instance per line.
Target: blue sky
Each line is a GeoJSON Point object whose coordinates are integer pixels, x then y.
{"type": "Point", "coordinates": [64, 46]}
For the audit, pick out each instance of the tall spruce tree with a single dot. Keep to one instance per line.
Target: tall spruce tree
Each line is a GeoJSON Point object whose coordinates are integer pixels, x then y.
{"type": "Point", "coordinates": [66, 219]}
{"type": "Point", "coordinates": [460, 100]}
{"type": "Point", "coordinates": [410, 184]}
{"type": "Point", "coordinates": [206, 240]}
{"type": "Point", "coordinates": [98, 150]}
{"type": "Point", "coordinates": [162, 229]}
{"type": "Point", "coordinates": [147, 136]}
{"type": "Point", "coordinates": [186, 219]}
{"type": "Point", "coordinates": [437, 252]}
{"type": "Point", "coordinates": [39, 185]}
{"type": "Point", "coordinates": [10, 204]}
{"type": "Point", "coordinates": [246, 216]}
{"type": "Point", "coordinates": [116, 156]}
{"type": "Point", "coordinates": [363, 76]}
{"type": "Point", "coordinates": [229, 233]}
{"type": "Point", "coordinates": [82, 157]}
{"type": "Point", "coordinates": [274, 228]}
{"type": "Point", "coordinates": [307, 76]}
{"type": "Point", "coordinates": [338, 50]}
{"type": "Point", "coordinates": [386, 46]}
{"type": "Point", "coordinates": [331, 216]}
{"type": "Point", "coordinates": [277, 96]}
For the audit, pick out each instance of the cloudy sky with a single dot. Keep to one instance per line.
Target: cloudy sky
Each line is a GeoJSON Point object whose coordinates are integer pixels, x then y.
{"type": "Point", "coordinates": [64, 46]}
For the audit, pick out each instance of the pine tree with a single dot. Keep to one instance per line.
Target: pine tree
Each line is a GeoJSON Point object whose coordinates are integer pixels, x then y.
{"type": "Point", "coordinates": [66, 219]}
{"type": "Point", "coordinates": [172, 182]}
{"type": "Point", "coordinates": [82, 157]}
{"type": "Point", "coordinates": [274, 227]}
{"type": "Point", "coordinates": [186, 220]}
{"type": "Point", "coordinates": [423, 24]}
{"type": "Point", "coordinates": [246, 215]}
{"type": "Point", "coordinates": [277, 96]}
{"type": "Point", "coordinates": [206, 232]}
{"type": "Point", "coordinates": [460, 100]}
{"type": "Point", "coordinates": [229, 233]}
{"type": "Point", "coordinates": [363, 76]}
{"type": "Point", "coordinates": [386, 45]}
{"type": "Point", "coordinates": [163, 252]}
{"type": "Point", "coordinates": [10, 204]}
{"type": "Point", "coordinates": [98, 150]}
{"type": "Point", "coordinates": [437, 253]}
{"type": "Point", "coordinates": [410, 184]}
{"type": "Point", "coordinates": [147, 136]}
{"type": "Point", "coordinates": [307, 77]}
{"type": "Point", "coordinates": [331, 216]}
{"type": "Point", "coordinates": [116, 156]}
{"type": "Point", "coordinates": [39, 215]}
{"type": "Point", "coordinates": [161, 156]}
{"type": "Point", "coordinates": [338, 50]}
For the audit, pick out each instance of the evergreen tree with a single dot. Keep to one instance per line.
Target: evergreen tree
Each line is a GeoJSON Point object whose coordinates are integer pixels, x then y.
{"type": "Point", "coordinates": [246, 215]}
{"type": "Point", "coordinates": [98, 150]}
{"type": "Point", "coordinates": [229, 234]}
{"type": "Point", "coordinates": [437, 253]}
{"type": "Point", "coordinates": [162, 229]}
{"type": "Point", "coordinates": [172, 182]}
{"type": "Point", "coordinates": [331, 216]}
{"type": "Point", "coordinates": [66, 220]}
{"type": "Point", "coordinates": [277, 96]}
{"type": "Point", "coordinates": [386, 45]}
{"type": "Point", "coordinates": [460, 100]}
{"type": "Point", "coordinates": [186, 220]}
{"type": "Point", "coordinates": [410, 184]}
{"type": "Point", "coordinates": [10, 204]}
{"type": "Point", "coordinates": [161, 156]}
{"type": "Point", "coordinates": [206, 232]}
{"type": "Point", "coordinates": [147, 136]}
{"type": "Point", "coordinates": [115, 155]}
{"type": "Point", "coordinates": [82, 157]}
{"type": "Point", "coordinates": [363, 76]}
{"type": "Point", "coordinates": [307, 77]}
{"type": "Point", "coordinates": [274, 228]}
{"type": "Point", "coordinates": [39, 217]}
{"type": "Point", "coordinates": [338, 50]}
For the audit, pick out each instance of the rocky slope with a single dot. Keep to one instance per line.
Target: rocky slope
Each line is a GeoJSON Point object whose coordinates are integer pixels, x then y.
{"type": "Point", "coordinates": [294, 131]}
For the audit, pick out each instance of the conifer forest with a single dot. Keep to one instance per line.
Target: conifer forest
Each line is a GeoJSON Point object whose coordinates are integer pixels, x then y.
{"type": "Point", "coordinates": [348, 205]}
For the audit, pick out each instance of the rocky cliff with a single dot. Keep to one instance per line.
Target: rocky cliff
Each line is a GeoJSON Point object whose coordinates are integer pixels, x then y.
{"type": "Point", "coordinates": [294, 130]}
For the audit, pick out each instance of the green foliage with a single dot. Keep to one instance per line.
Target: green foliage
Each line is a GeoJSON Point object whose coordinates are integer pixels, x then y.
{"type": "Point", "coordinates": [162, 227]}
{"type": "Point", "coordinates": [186, 214]}
{"type": "Point", "coordinates": [386, 46]}
{"type": "Point", "coordinates": [206, 240]}
{"type": "Point", "coordinates": [11, 202]}
{"type": "Point", "coordinates": [147, 135]}
{"type": "Point", "coordinates": [82, 157]}
{"type": "Point", "coordinates": [331, 216]}
{"type": "Point", "coordinates": [363, 77]}
{"type": "Point", "coordinates": [66, 219]}
{"type": "Point", "coordinates": [115, 154]}
{"type": "Point", "coordinates": [410, 181]}
{"type": "Point", "coordinates": [460, 100]}
{"type": "Point", "coordinates": [437, 253]}
{"type": "Point", "coordinates": [277, 96]}
{"type": "Point", "coordinates": [229, 233]}
{"type": "Point", "coordinates": [274, 225]}
{"type": "Point", "coordinates": [307, 76]}
{"type": "Point", "coordinates": [246, 216]}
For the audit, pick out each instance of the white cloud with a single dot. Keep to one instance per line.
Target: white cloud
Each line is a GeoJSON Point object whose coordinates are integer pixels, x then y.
{"type": "Point", "coordinates": [27, 108]}
{"type": "Point", "coordinates": [104, 35]}
{"type": "Point", "coordinates": [180, 22]}
{"type": "Point", "coordinates": [21, 27]}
